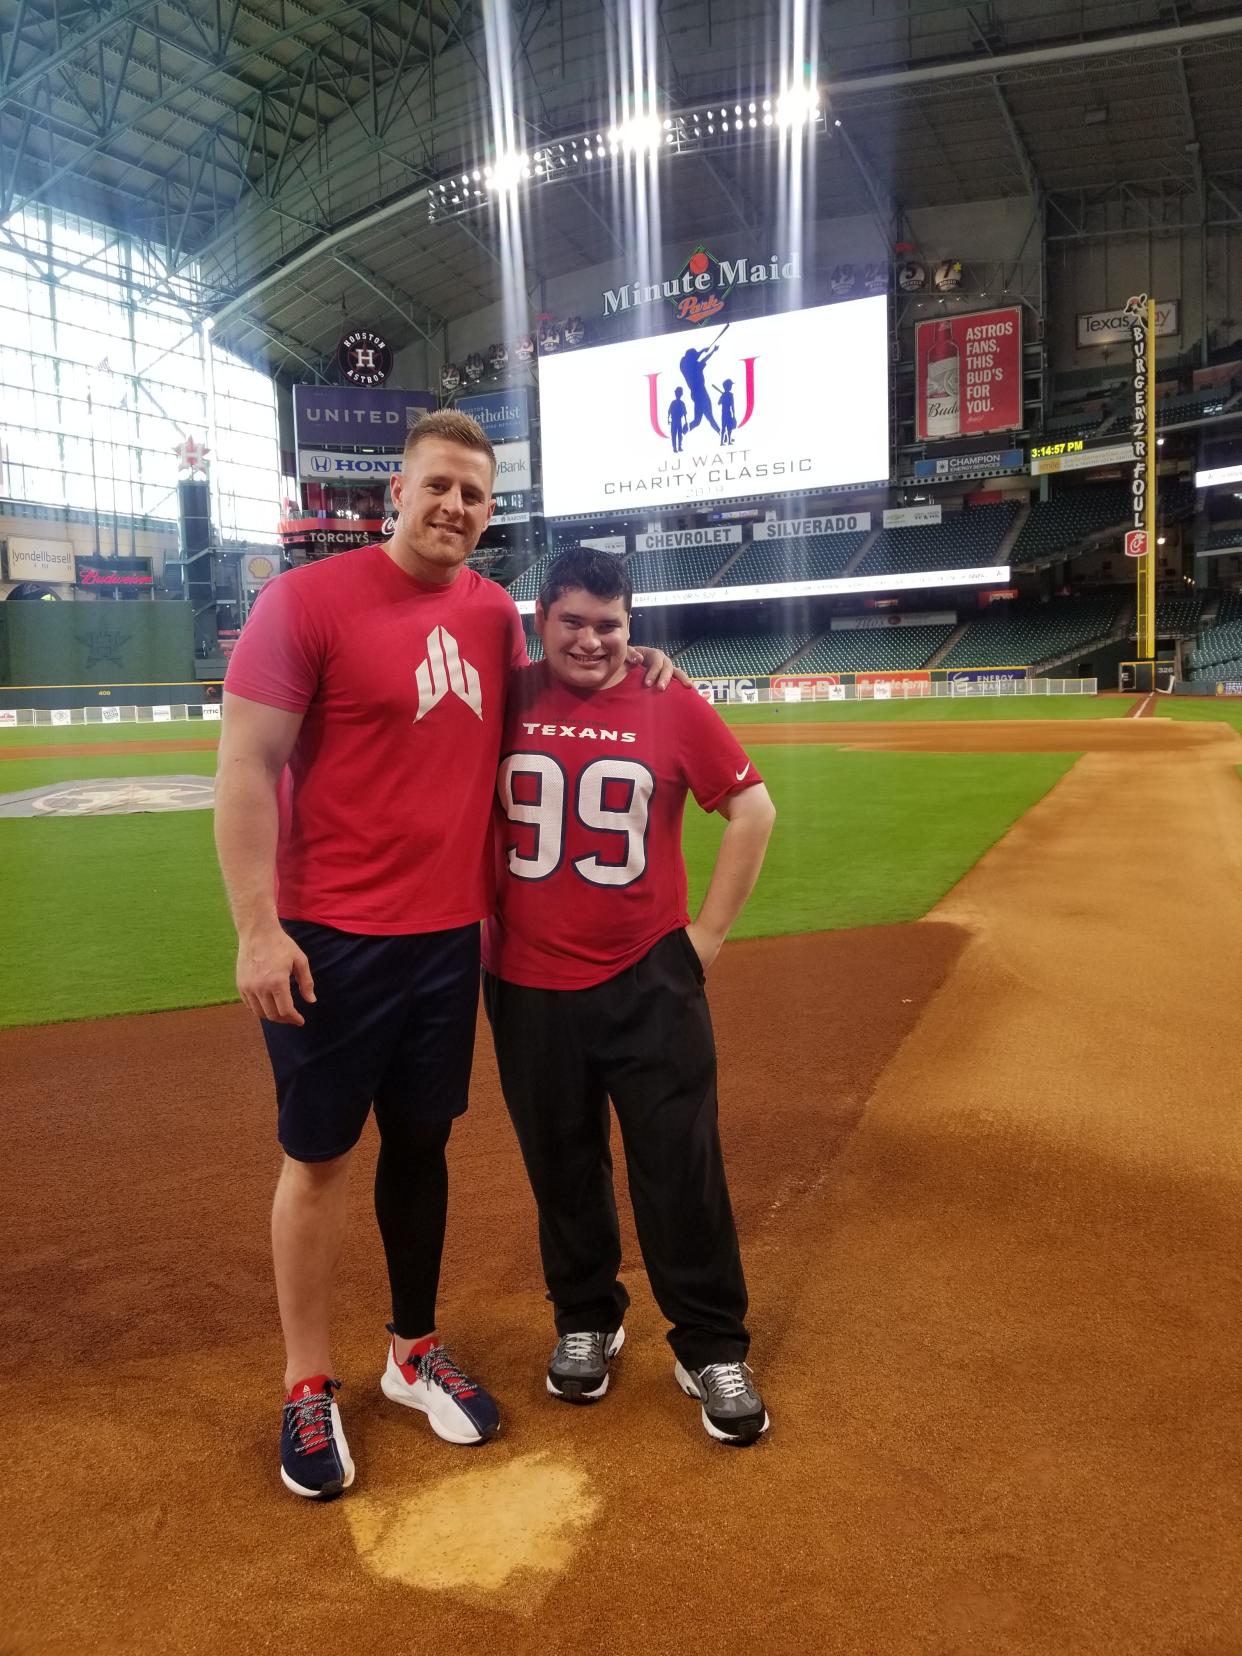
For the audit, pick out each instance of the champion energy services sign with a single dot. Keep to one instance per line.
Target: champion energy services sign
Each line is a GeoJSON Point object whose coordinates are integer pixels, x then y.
{"type": "Point", "coordinates": [968, 375]}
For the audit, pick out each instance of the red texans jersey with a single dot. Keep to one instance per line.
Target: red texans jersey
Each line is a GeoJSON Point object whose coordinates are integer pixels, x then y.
{"type": "Point", "coordinates": [385, 808]}
{"type": "Point", "coordinates": [589, 802]}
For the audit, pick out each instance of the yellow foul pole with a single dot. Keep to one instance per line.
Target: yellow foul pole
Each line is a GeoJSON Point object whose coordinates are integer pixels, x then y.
{"type": "Point", "coordinates": [1147, 564]}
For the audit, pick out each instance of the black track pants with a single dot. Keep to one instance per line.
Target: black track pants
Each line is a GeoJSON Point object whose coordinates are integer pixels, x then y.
{"type": "Point", "coordinates": [643, 1038]}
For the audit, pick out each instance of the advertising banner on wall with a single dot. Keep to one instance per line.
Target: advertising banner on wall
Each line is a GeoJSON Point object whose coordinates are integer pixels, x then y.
{"type": "Point", "coordinates": [1078, 457]}
{"type": "Point", "coordinates": [839, 523]}
{"type": "Point", "coordinates": [952, 467]}
{"type": "Point", "coordinates": [879, 623]}
{"type": "Point", "coordinates": [757, 406]}
{"type": "Point", "coordinates": [110, 573]}
{"type": "Point", "coordinates": [331, 416]}
{"type": "Point", "coordinates": [912, 517]}
{"type": "Point", "coordinates": [513, 468]}
{"type": "Point", "coordinates": [968, 375]}
{"type": "Point", "coordinates": [1112, 327]}
{"type": "Point", "coordinates": [672, 540]}
{"type": "Point", "coordinates": [30, 559]}
{"type": "Point", "coordinates": [504, 415]}
{"type": "Point", "coordinates": [323, 466]}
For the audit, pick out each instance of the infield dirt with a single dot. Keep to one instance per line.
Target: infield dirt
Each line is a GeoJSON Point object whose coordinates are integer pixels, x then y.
{"type": "Point", "coordinates": [987, 1171]}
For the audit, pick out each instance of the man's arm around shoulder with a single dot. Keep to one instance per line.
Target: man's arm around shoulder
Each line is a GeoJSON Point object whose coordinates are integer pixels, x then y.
{"type": "Point", "coordinates": [255, 744]}
{"type": "Point", "coordinates": [749, 814]}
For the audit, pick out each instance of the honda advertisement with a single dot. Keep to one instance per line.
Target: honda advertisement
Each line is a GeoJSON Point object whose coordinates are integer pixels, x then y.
{"type": "Point", "coordinates": [763, 405]}
{"type": "Point", "coordinates": [968, 375]}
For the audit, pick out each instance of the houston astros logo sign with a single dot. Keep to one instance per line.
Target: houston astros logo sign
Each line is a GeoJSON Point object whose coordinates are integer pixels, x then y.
{"type": "Point", "coordinates": [364, 357]}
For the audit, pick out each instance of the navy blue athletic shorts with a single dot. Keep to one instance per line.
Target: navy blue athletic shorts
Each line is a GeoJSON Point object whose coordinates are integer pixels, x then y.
{"type": "Point", "coordinates": [392, 1024]}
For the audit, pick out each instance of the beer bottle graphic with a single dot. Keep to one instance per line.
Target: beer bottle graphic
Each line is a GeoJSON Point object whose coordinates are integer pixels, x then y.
{"type": "Point", "coordinates": [942, 407]}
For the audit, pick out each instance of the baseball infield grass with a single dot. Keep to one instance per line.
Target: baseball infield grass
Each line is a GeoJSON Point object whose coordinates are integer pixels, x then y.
{"type": "Point", "coordinates": [126, 914]}
{"type": "Point", "coordinates": [1200, 710]}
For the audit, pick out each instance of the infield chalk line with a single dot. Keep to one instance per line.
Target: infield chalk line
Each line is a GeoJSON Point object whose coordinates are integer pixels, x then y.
{"type": "Point", "coordinates": [1137, 712]}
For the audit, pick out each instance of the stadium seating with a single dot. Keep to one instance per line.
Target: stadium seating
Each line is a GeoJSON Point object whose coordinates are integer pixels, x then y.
{"type": "Point", "coordinates": [1178, 612]}
{"type": "Point", "coordinates": [1194, 405]}
{"type": "Point", "coordinates": [1010, 636]}
{"type": "Point", "coordinates": [527, 584]}
{"type": "Point", "coordinates": [682, 569]}
{"type": "Point", "coordinates": [1069, 518]}
{"type": "Point", "coordinates": [874, 649]}
{"type": "Point", "coordinates": [816, 558]}
{"type": "Point", "coordinates": [964, 540]}
{"type": "Point", "coordinates": [741, 655]}
{"type": "Point", "coordinates": [1220, 645]}
{"type": "Point", "coordinates": [1219, 539]}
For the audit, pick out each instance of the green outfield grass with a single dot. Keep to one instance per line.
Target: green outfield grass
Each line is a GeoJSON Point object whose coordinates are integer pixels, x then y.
{"type": "Point", "coordinates": [126, 914]}
{"type": "Point", "coordinates": [965, 708]}
{"type": "Point", "coordinates": [69, 735]}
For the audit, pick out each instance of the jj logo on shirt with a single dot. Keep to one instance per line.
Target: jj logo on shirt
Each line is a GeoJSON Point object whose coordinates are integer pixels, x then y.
{"type": "Point", "coordinates": [443, 672]}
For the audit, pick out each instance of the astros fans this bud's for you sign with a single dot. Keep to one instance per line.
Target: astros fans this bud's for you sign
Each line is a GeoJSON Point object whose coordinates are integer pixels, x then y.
{"type": "Point", "coordinates": [968, 375]}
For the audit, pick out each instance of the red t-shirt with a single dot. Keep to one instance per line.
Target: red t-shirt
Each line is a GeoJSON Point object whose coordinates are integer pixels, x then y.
{"type": "Point", "coordinates": [385, 806]}
{"type": "Point", "coordinates": [589, 803]}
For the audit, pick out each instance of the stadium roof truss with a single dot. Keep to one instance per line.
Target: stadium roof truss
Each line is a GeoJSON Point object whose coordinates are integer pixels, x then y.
{"type": "Point", "coordinates": [284, 156]}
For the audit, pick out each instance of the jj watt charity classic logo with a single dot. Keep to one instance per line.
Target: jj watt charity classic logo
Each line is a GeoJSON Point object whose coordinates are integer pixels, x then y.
{"type": "Point", "coordinates": [704, 398]}
{"type": "Point", "coordinates": [445, 672]}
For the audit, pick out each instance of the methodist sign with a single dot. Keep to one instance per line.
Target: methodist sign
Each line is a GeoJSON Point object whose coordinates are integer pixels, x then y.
{"type": "Point", "coordinates": [338, 416]}
{"type": "Point", "coordinates": [504, 415]}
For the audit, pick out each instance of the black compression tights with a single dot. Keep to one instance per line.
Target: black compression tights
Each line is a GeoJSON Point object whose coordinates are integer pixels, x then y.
{"type": "Point", "coordinates": [411, 1201]}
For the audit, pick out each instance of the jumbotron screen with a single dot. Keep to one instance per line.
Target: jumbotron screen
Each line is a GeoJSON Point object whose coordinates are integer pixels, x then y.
{"type": "Point", "coordinates": [763, 405]}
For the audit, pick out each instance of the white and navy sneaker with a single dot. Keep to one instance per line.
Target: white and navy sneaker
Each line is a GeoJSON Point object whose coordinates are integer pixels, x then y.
{"type": "Point", "coordinates": [733, 1410]}
{"type": "Point", "coordinates": [457, 1408]}
{"type": "Point", "coordinates": [314, 1456]}
{"type": "Point", "coordinates": [578, 1371]}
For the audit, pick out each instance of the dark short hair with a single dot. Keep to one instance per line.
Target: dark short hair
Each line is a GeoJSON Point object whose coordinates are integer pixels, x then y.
{"type": "Point", "coordinates": [451, 427]}
{"type": "Point", "coordinates": [600, 573]}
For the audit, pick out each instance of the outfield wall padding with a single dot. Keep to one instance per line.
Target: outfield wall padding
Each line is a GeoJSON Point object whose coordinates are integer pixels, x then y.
{"type": "Point", "coordinates": [148, 641]}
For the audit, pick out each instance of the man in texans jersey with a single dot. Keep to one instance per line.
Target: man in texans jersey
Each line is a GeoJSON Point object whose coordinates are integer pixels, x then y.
{"type": "Point", "coordinates": [594, 984]}
{"type": "Point", "coordinates": [363, 711]}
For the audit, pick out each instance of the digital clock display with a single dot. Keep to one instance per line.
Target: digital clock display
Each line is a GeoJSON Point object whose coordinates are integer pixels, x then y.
{"type": "Point", "coordinates": [1051, 450]}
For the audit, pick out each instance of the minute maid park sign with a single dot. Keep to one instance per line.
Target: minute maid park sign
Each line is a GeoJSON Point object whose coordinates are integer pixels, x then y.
{"type": "Point", "coordinates": [699, 292]}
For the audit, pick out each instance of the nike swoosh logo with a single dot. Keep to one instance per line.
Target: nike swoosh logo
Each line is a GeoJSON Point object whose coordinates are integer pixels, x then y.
{"type": "Point", "coordinates": [741, 775]}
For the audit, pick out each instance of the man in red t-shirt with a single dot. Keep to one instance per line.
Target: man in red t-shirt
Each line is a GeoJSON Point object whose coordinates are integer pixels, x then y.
{"type": "Point", "coordinates": [593, 982]}
{"type": "Point", "coordinates": [363, 711]}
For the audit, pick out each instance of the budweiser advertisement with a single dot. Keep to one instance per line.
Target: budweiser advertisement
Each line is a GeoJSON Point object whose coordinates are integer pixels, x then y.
{"type": "Point", "coordinates": [968, 375]}
{"type": "Point", "coordinates": [762, 405]}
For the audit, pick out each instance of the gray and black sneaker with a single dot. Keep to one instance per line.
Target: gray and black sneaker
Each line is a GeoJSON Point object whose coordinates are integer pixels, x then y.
{"type": "Point", "coordinates": [578, 1371]}
{"type": "Point", "coordinates": [733, 1410]}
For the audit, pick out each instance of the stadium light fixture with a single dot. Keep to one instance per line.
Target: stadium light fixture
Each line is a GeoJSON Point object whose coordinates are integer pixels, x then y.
{"type": "Point", "coordinates": [507, 172]}
{"type": "Point", "coordinates": [797, 105]}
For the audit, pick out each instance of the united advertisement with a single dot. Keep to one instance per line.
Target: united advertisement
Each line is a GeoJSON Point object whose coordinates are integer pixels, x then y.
{"type": "Point", "coordinates": [762, 405]}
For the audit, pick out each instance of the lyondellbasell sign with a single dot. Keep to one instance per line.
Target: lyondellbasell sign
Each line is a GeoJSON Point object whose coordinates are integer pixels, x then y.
{"type": "Point", "coordinates": [968, 375]}
{"type": "Point", "coordinates": [699, 290]}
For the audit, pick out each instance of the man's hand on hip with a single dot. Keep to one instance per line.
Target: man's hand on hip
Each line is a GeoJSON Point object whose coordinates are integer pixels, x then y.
{"type": "Point", "coordinates": [266, 962]}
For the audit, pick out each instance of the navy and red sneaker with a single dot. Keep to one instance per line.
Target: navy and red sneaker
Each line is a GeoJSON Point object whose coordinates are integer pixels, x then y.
{"type": "Point", "coordinates": [457, 1408]}
{"type": "Point", "coordinates": [314, 1456]}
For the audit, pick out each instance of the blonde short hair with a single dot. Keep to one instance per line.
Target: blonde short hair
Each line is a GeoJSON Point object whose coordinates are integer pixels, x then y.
{"type": "Point", "coordinates": [450, 427]}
